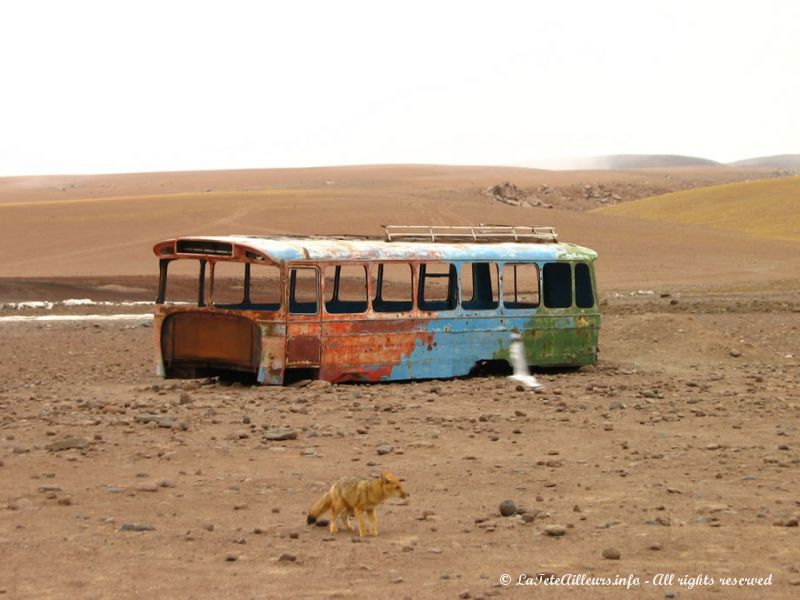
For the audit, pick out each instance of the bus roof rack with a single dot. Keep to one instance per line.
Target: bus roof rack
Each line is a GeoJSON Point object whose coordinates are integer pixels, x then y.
{"type": "Point", "coordinates": [477, 233]}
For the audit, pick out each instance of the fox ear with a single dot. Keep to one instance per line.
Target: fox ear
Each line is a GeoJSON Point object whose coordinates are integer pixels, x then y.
{"type": "Point", "coordinates": [385, 476]}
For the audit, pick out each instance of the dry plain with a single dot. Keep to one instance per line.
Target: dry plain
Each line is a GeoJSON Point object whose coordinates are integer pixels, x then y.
{"type": "Point", "coordinates": [679, 450]}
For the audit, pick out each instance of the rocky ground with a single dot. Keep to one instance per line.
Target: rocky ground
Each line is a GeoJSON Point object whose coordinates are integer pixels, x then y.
{"type": "Point", "coordinates": [677, 454]}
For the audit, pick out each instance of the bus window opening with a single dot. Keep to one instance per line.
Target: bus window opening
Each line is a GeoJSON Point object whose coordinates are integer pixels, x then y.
{"type": "Point", "coordinates": [479, 289]}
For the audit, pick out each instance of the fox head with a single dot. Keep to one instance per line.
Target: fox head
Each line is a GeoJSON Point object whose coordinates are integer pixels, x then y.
{"type": "Point", "coordinates": [391, 485]}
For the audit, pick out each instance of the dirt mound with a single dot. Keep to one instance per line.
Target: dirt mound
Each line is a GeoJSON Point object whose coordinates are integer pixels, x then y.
{"type": "Point", "coordinates": [508, 193]}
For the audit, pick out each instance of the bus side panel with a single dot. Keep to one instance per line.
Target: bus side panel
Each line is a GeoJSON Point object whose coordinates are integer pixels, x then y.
{"type": "Point", "coordinates": [556, 340]}
{"type": "Point", "coordinates": [450, 347]}
{"type": "Point", "coordinates": [458, 343]}
{"type": "Point", "coordinates": [371, 350]}
{"type": "Point", "coordinates": [408, 348]}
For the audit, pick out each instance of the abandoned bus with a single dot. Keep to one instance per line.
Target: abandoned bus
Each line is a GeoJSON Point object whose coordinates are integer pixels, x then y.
{"type": "Point", "coordinates": [423, 302]}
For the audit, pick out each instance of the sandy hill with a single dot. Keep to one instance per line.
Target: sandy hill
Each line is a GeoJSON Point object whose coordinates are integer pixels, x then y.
{"type": "Point", "coordinates": [103, 227]}
{"type": "Point", "coordinates": [780, 161]}
{"type": "Point", "coordinates": [768, 208]}
{"type": "Point", "coordinates": [652, 161]}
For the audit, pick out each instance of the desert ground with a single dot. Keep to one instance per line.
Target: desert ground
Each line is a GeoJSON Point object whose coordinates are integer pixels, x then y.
{"type": "Point", "coordinates": [677, 454]}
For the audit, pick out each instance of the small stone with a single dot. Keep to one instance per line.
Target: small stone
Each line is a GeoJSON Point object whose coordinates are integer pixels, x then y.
{"type": "Point", "coordinates": [520, 413]}
{"type": "Point", "coordinates": [616, 405]}
{"type": "Point", "coordinates": [147, 487]}
{"type": "Point", "coordinates": [508, 508]}
{"type": "Point", "coordinates": [465, 594]}
{"type": "Point", "coordinates": [318, 384]}
{"type": "Point", "coordinates": [286, 557]}
{"type": "Point", "coordinates": [280, 434]}
{"type": "Point", "coordinates": [735, 353]}
{"type": "Point", "coordinates": [185, 398]}
{"type": "Point", "coordinates": [49, 488]}
{"type": "Point", "coordinates": [68, 444]}
{"type": "Point", "coordinates": [655, 546]}
{"type": "Point", "coordinates": [555, 530]}
{"type": "Point", "coordinates": [384, 449]}
{"type": "Point", "coordinates": [137, 527]}
{"type": "Point", "coordinates": [611, 554]}
{"type": "Point", "coordinates": [231, 557]}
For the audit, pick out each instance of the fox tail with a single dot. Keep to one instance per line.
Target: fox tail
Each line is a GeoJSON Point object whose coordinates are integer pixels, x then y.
{"type": "Point", "coordinates": [319, 507]}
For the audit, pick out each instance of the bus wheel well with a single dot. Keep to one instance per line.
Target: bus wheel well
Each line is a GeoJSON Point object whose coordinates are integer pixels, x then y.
{"type": "Point", "coordinates": [495, 366]}
{"type": "Point", "coordinates": [296, 374]}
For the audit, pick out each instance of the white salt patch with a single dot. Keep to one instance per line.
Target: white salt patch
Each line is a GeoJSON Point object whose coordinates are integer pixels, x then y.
{"type": "Point", "coordinates": [51, 318]}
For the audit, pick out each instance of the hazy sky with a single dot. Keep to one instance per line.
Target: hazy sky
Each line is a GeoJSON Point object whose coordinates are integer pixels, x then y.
{"type": "Point", "coordinates": [107, 86]}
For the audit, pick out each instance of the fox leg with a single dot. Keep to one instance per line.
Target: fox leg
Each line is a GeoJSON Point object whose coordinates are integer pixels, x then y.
{"type": "Point", "coordinates": [360, 518]}
{"type": "Point", "coordinates": [347, 521]}
{"type": "Point", "coordinates": [335, 511]}
{"type": "Point", "coordinates": [373, 521]}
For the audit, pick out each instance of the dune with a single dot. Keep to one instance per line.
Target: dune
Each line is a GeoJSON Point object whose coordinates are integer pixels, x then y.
{"type": "Point", "coordinates": [766, 208]}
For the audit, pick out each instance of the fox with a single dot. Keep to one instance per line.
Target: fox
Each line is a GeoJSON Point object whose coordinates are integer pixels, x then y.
{"type": "Point", "coordinates": [352, 496]}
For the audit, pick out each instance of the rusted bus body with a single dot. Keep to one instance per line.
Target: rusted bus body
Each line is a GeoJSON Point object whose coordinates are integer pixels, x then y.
{"type": "Point", "coordinates": [456, 308]}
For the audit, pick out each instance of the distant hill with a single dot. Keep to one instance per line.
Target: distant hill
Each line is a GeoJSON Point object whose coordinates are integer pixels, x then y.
{"type": "Point", "coordinates": [652, 161]}
{"type": "Point", "coordinates": [767, 208]}
{"type": "Point", "coordinates": [779, 161]}
{"type": "Point", "coordinates": [623, 162]}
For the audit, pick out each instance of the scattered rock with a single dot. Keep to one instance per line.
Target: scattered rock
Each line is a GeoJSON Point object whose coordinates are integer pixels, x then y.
{"type": "Point", "coordinates": [71, 443]}
{"type": "Point", "coordinates": [508, 508]}
{"type": "Point", "coordinates": [286, 557]}
{"type": "Point", "coordinates": [137, 527]}
{"type": "Point", "coordinates": [384, 449]}
{"type": "Point", "coordinates": [49, 488]}
{"type": "Point", "coordinates": [555, 530]}
{"type": "Point", "coordinates": [318, 384]}
{"type": "Point", "coordinates": [147, 487]}
{"type": "Point", "coordinates": [164, 421]}
{"type": "Point", "coordinates": [611, 554]}
{"type": "Point", "coordinates": [280, 434]}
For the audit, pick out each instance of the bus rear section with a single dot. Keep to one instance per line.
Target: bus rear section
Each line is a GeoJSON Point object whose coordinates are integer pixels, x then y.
{"type": "Point", "coordinates": [195, 343]}
{"type": "Point", "coordinates": [217, 314]}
